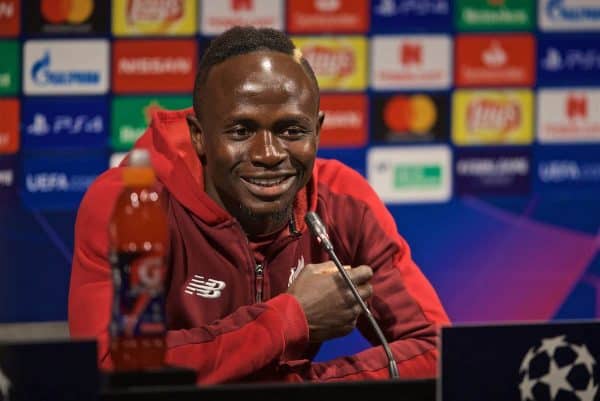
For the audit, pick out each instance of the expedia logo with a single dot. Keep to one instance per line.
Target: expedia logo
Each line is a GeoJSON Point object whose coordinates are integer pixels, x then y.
{"type": "Point", "coordinates": [492, 167]}
{"type": "Point", "coordinates": [42, 74]}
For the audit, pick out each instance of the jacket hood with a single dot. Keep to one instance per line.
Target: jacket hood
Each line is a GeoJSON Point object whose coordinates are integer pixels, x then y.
{"type": "Point", "coordinates": [178, 168]}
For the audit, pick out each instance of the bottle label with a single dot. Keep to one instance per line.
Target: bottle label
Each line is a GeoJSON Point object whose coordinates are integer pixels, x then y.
{"type": "Point", "coordinates": [138, 305]}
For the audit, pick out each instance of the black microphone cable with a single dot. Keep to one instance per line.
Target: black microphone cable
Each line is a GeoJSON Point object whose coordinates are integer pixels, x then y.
{"type": "Point", "coordinates": [318, 231]}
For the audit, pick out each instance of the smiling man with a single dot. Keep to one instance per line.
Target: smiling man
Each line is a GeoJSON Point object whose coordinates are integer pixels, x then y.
{"type": "Point", "coordinates": [239, 172]}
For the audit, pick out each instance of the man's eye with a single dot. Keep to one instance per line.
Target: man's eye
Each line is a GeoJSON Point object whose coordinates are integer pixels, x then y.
{"type": "Point", "coordinates": [239, 132]}
{"type": "Point", "coordinates": [294, 132]}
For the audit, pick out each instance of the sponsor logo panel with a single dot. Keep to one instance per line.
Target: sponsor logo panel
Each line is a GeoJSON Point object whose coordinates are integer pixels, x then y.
{"type": "Point", "coordinates": [218, 16]}
{"type": "Point", "coordinates": [340, 62]}
{"type": "Point", "coordinates": [495, 60]}
{"type": "Point", "coordinates": [58, 17]}
{"type": "Point", "coordinates": [573, 59]}
{"type": "Point", "coordinates": [492, 117]}
{"type": "Point", "coordinates": [8, 180]}
{"type": "Point", "coordinates": [65, 122]}
{"type": "Point", "coordinates": [10, 67]}
{"type": "Point", "coordinates": [389, 16]}
{"type": "Point", "coordinates": [492, 171]}
{"type": "Point", "coordinates": [569, 15]}
{"type": "Point", "coordinates": [411, 174]}
{"type": "Point", "coordinates": [572, 170]}
{"type": "Point", "coordinates": [494, 15]}
{"type": "Point", "coordinates": [411, 62]}
{"type": "Point", "coordinates": [311, 16]}
{"type": "Point", "coordinates": [9, 126]}
{"type": "Point", "coordinates": [49, 67]}
{"type": "Point", "coordinates": [153, 17]}
{"type": "Point", "coordinates": [58, 181]}
{"type": "Point", "coordinates": [568, 115]}
{"type": "Point", "coordinates": [345, 122]}
{"type": "Point", "coordinates": [130, 116]}
{"type": "Point", "coordinates": [10, 18]}
{"type": "Point", "coordinates": [140, 66]}
{"type": "Point", "coordinates": [412, 117]}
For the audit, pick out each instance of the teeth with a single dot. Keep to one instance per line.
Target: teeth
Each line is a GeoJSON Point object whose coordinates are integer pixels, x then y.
{"type": "Point", "coordinates": [266, 182]}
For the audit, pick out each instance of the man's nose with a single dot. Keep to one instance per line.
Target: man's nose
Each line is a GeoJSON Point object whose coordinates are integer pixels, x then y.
{"type": "Point", "coordinates": [266, 149]}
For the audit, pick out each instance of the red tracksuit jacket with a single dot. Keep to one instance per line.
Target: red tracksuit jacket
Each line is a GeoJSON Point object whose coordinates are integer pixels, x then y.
{"type": "Point", "coordinates": [232, 332]}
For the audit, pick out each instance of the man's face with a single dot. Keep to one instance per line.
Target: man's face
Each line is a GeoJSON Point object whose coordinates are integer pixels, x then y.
{"type": "Point", "coordinates": [258, 133]}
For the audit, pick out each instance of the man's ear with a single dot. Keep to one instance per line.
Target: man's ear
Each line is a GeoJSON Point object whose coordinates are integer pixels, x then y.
{"type": "Point", "coordinates": [196, 135]}
{"type": "Point", "coordinates": [320, 124]}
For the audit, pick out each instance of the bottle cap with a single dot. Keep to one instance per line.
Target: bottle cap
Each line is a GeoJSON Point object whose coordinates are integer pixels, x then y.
{"type": "Point", "coordinates": [139, 169]}
{"type": "Point", "coordinates": [139, 158]}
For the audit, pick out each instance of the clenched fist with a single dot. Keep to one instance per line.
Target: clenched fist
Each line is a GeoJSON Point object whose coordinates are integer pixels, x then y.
{"type": "Point", "coordinates": [329, 305]}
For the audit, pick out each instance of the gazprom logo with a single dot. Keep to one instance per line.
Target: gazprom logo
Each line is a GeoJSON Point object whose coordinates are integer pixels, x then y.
{"type": "Point", "coordinates": [571, 15]}
{"type": "Point", "coordinates": [557, 9]}
{"type": "Point", "coordinates": [42, 74]}
{"type": "Point", "coordinates": [66, 67]}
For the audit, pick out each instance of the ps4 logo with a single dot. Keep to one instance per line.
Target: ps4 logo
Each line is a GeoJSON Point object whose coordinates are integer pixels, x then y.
{"type": "Point", "coordinates": [557, 9]}
{"type": "Point", "coordinates": [572, 59]}
{"type": "Point", "coordinates": [390, 8]}
{"type": "Point", "coordinates": [43, 75]}
{"type": "Point", "coordinates": [71, 125]}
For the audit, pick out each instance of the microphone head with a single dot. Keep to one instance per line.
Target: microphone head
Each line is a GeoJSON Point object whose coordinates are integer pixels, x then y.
{"type": "Point", "coordinates": [317, 228]}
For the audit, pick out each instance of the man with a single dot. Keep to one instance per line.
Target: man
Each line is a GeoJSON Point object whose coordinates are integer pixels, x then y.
{"type": "Point", "coordinates": [236, 196]}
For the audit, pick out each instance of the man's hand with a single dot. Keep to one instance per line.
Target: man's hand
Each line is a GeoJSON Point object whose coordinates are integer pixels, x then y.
{"type": "Point", "coordinates": [329, 306]}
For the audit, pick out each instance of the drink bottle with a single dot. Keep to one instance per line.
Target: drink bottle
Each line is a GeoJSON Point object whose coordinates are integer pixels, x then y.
{"type": "Point", "coordinates": [138, 237]}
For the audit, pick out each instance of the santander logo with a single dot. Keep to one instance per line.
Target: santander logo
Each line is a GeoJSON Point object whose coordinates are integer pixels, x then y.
{"type": "Point", "coordinates": [328, 61]}
{"type": "Point", "coordinates": [494, 56]}
{"type": "Point", "coordinates": [327, 5]}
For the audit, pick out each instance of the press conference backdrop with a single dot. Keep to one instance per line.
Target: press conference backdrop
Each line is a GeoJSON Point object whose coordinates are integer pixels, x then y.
{"type": "Point", "coordinates": [476, 121]}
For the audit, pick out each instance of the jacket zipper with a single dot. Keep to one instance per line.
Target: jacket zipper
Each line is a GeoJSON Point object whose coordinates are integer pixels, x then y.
{"type": "Point", "coordinates": [258, 281]}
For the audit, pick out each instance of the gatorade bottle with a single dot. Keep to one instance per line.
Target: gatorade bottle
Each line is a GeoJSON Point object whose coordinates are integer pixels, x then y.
{"type": "Point", "coordinates": [138, 236]}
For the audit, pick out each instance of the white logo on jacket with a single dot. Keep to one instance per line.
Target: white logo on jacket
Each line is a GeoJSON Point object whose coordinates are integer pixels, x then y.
{"type": "Point", "coordinates": [294, 271]}
{"type": "Point", "coordinates": [210, 288]}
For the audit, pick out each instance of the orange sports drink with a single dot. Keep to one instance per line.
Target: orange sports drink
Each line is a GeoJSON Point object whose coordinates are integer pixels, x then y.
{"type": "Point", "coordinates": [138, 235]}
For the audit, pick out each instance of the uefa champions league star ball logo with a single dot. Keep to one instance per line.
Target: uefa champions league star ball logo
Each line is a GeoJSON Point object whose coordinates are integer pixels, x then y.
{"type": "Point", "coordinates": [558, 370]}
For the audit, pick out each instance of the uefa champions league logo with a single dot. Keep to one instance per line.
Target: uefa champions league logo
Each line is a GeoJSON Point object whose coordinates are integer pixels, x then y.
{"type": "Point", "coordinates": [558, 370]}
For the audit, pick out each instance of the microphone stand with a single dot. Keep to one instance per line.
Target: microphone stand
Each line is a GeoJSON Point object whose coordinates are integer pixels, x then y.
{"type": "Point", "coordinates": [319, 232]}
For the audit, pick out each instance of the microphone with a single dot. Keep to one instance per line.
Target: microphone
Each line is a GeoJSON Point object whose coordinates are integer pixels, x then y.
{"type": "Point", "coordinates": [320, 233]}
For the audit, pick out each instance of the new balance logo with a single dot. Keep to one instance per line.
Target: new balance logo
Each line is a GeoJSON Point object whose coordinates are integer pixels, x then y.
{"type": "Point", "coordinates": [204, 288]}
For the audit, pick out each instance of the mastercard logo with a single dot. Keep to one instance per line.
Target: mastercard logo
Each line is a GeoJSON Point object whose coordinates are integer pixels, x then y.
{"type": "Point", "coordinates": [416, 114]}
{"type": "Point", "coordinates": [71, 11]}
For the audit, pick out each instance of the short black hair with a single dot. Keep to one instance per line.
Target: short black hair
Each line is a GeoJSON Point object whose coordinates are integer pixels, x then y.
{"type": "Point", "coordinates": [241, 40]}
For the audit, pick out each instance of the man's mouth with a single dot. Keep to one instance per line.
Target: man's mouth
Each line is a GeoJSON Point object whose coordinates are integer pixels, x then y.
{"type": "Point", "coordinates": [269, 187]}
{"type": "Point", "coordinates": [265, 182]}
